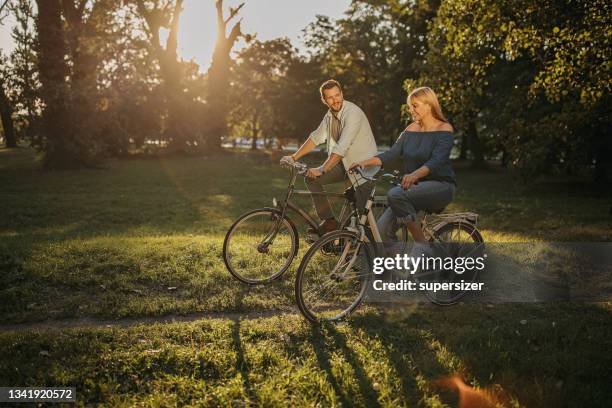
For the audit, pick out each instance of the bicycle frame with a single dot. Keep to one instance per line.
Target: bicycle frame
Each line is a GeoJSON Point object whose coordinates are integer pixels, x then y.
{"type": "Point", "coordinates": [430, 223]}
{"type": "Point", "coordinates": [286, 203]}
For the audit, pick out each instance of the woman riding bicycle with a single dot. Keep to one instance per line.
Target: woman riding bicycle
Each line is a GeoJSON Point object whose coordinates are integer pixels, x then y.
{"type": "Point", "coordinates": [428, 183]}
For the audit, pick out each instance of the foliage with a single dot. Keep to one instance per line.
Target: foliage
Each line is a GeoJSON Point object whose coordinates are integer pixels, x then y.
{"type": "Point", "coordinates": [524, 82]}
{"type": "Point", "coordinates": [371, 51]}
{"type": "Point", "coordinates": [529, 78]}
{"type": "Point", "coordinates": [275, 92]}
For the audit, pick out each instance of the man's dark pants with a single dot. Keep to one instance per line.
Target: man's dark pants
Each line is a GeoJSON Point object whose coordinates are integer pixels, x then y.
{"type": "Point", "coordinates": [335, 175]}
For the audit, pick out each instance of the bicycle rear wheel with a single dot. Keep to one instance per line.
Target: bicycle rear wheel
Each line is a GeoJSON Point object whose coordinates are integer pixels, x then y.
{"type": "Point", "coordinates": [455, 240]}
{"type": "Point", "coordinates": [260, 246]}
{"type": "Point", "coordinates": [330, 284]}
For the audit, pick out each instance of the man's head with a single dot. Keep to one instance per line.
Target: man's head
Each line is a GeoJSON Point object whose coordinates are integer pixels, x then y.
{"type": "Point", "coordinates": [331, 94]}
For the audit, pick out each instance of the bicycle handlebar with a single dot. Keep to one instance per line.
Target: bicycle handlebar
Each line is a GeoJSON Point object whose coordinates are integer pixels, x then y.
{"type": "Point", "coordinates": [394, 178]}
{"type": "Point", "coordinates": [299, 167]}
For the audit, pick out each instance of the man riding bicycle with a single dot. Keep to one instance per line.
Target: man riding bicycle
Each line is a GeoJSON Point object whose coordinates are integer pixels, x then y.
{"type": "Point", "coordinates": [348, 136]}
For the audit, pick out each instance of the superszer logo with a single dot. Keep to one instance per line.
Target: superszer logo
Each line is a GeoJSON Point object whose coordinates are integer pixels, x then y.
{"type": "Point", "coordinates": [428, 263]}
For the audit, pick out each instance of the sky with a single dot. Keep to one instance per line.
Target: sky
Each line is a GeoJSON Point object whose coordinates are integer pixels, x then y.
{"type": "Point", "coordinates": [268, 18]}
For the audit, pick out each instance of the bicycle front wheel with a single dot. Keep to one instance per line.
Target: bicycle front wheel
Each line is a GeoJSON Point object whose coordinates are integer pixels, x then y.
{"type": "Point", "coordinates": [260, 246]}
{"type": "Point", "coordinates": [330, 284]}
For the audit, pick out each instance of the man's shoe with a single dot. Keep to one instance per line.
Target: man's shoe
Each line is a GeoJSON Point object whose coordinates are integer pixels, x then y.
{"type": "Point", "coordinates": [326, 226]}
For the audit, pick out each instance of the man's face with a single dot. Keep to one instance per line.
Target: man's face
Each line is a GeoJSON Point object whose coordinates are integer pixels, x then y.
{"type": "Point", "coordinates": [333, 98]}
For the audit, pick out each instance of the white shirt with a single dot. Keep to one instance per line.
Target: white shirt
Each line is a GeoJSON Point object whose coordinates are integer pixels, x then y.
{"type": "Point", "coordinates": [356, 141]}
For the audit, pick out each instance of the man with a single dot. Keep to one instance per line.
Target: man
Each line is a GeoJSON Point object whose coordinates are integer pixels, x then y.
{"type": "Point", "coordinates": [346, 131]}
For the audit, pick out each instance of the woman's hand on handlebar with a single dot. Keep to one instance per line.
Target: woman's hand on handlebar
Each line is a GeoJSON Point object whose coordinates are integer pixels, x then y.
{"type": "Point", "coordinates": [409, 180]}
{"type": "Point", "coordinates": [353, 167]}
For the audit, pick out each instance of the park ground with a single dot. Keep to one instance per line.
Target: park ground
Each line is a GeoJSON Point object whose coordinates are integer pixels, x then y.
{"type": "Point", "coordinates": [95, 264]}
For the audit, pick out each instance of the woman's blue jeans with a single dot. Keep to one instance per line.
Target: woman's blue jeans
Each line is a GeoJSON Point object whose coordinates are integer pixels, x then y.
{"type": "Point", "coordinates": [404, 204]}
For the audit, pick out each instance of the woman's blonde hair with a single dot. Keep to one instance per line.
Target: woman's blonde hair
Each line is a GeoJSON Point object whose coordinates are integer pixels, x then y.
{"type": "Point", "coordinates": [426, 95]}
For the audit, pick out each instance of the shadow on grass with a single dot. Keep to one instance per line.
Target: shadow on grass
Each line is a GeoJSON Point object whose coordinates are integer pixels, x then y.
{"type": "Point", "coordinates": [406, 351]}
{"type": "Point", "coordinates": [366, 387]}
{"type": "Point", "coordinates": [317, 339]}
{"type": "Point", "coordinates": [541, 355]}
{"type": "Point", "coordinates": [326, 340]}
{"type": "Point", "coordinates": [241, 363]}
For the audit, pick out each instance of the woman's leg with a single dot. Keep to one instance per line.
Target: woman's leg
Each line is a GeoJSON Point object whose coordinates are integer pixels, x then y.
{"type": "Point", "coordinates": [387, 226]}
{"type": "Point", "coordinates": [426, 195]}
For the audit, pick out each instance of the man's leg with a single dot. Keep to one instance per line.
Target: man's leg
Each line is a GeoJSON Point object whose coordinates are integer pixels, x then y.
{"type": "Point", "coordinates": [320, 202]}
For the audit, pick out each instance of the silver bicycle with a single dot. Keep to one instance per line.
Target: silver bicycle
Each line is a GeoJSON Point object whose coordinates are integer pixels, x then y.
{"type": "Point", "coordinates": [330, 287]}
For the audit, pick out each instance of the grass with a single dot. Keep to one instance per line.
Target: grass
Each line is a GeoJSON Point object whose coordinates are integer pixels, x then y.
{"type": "Point", "coordinates": [143, 238]}
{"type": "Point", "coordinates": [547, 358]}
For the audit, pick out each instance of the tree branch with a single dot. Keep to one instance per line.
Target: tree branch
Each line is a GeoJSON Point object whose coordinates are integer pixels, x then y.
{"type": "Point", "coordinates": [81, 7]}
{"type": "Point", "coordinates": [171, 42]}
{"type": "Point", "coordinates": [151, 25]}
{"type": "Point", "coordinates": [234, 12]}
{"type": "Point", "coordinates": [220, 21]}
{"type": "Point", "coordinates": [3, 5]}
{"type": "Point", "coordinates": [234, 34]}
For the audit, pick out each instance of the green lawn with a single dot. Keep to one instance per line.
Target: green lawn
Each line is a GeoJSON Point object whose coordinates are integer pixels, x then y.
{"type": "Point", "coordinates": [143, 238]}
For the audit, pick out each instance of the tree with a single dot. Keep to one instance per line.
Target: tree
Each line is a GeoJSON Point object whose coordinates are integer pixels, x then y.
{"type": "Point", "coordinates": [62, 146]}
{"type": "Point", "coordinates": [258, 74]}
{"type": "Point", "coordinates": [371, 51]}
{"type": "Point", "coordinates": [6, 113]}
{"type": "Point", "coordinates": [71, 45]}
{"type": "Point", "coordinates": [527, 78]}
{"type": "Point", "coordinates": [6, 110]}
{"type": "Point", "coordinates": [172, 71]}
{"type": "Point", "coordinates": [219, 73]}
{"type": "Point", "coordinates": [22, 73]}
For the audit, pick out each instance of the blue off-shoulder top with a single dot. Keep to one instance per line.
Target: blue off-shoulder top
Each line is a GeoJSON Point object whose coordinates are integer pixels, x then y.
{"type": "Point", "coordinates": [416, 149]}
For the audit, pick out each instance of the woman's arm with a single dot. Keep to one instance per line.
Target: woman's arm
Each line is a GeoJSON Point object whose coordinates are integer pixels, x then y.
{"type": "Point", "coordinates": [441, 152]}
{"type": "Point", "coordinates": [372, 161]}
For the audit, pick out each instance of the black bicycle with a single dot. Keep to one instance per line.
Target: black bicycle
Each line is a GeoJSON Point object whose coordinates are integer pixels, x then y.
{"type": "Point", "coordinates": [261, 244]}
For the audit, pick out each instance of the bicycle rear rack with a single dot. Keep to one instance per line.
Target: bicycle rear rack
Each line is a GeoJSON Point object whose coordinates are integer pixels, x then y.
{"type": "Point", "coordinates": [470, 217]}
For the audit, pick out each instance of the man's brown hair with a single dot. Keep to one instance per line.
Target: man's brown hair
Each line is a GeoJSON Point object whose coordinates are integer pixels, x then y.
{"type": "Point", "coordinates": [329, 84]}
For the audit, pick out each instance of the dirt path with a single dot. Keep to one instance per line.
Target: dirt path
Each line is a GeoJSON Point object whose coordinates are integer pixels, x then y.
{"type": "Point", "coordinates": [85, 322]}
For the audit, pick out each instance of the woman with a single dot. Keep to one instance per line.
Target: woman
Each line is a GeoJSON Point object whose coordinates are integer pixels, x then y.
{"type": "Point", "coordinates": [429, 181]}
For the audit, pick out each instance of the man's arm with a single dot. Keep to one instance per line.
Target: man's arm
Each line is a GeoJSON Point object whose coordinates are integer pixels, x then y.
{"type": "Point", "coordinates": [331, 161]}
{"type": "Point", "coordinates": [316, 138]}
{"type": "Point", "coordinates": [304, 149]}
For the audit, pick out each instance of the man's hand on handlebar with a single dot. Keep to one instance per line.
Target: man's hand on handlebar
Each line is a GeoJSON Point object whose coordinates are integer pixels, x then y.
{"type": "Point", "coordinates": [287, 161]}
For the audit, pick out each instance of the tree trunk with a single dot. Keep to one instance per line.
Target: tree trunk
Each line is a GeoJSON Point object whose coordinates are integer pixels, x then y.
{"type": "Point", "coordinates": [254, 132]}
{"type": "Point", "coordinates": [6, 114]}
{"type": "Point", "coordinates": [464, 147]}
{"type": "Point", "coordinates": [218, 75]}
{"type": "Point", "coordinates": [504, 158]}
{"type": "Point", "coordinates": [61, 146]}
{"type": "Point", "coordinates": [83, 34]}
{"type": "Point", "coordinates": [170, 69]}
{"type": "Point", "coordinates": [475, 145]}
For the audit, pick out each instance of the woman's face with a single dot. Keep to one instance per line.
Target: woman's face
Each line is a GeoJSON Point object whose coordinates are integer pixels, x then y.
{"type": "Point", "coordinates": [418, 110]}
